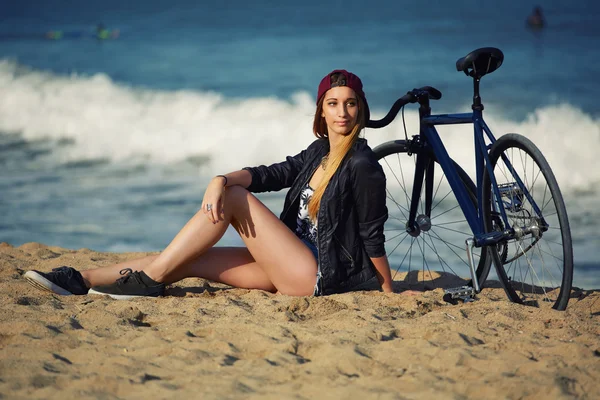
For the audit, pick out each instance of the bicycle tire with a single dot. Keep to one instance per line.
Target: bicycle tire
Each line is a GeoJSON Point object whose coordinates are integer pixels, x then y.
{"type": "Point", "coordinates": [452, 255]}
{"type": "Point", "coordinates": [530, 270]}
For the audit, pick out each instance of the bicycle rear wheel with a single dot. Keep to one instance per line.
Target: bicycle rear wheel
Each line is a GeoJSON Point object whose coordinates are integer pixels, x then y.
{"type": "Point", "coordinates": [436, 256]}
{"type": "Point", "coordinates": [537, 266]}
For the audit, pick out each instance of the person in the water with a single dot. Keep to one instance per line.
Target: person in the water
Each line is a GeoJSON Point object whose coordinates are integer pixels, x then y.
{"type": "Point", "coordinates": [101, 33]}
{"type": "Point", "coordinates": [536, 19]}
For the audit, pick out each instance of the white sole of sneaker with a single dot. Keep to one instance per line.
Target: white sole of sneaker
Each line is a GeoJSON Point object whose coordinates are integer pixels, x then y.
{"type": "Point", "coordinates": [114, 296]}
{"type": "Point", "coordinates": [39, 282]}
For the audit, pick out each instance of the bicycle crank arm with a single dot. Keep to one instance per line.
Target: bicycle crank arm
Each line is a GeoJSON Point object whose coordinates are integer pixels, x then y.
{"type": "Point", "coordinates": [465, 293]}
{"type": "Point", "coordinates": [470, 244]}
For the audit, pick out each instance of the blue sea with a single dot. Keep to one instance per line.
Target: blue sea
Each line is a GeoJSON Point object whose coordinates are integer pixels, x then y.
{"type": "Point", "coordinates": [109, 144]}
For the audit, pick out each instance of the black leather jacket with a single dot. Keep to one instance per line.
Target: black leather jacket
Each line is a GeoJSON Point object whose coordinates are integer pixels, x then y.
{"type": "Point", "coordinates": [351, 214]}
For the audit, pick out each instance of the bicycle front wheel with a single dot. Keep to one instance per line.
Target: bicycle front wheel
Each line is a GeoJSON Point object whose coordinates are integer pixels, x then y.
{"type": "Point", "coordinates": [435, 256]}
{"type": "Point", "coordinates": [538, 264]}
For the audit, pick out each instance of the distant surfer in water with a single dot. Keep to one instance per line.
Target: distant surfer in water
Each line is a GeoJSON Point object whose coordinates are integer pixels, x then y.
{"type": "Point", "coordinates": [56, 35]}
{"type": "Point", "coordinates": [536, 19]}
{"type": "Point", "coordinates": [101, 33]}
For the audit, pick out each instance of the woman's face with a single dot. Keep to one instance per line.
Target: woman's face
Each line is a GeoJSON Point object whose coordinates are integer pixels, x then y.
{"type": "Point", "coordinates": [340, 110]}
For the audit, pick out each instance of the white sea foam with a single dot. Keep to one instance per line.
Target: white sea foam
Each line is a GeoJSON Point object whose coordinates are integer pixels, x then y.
{"type": "Point", "coordinates": [109, 120]}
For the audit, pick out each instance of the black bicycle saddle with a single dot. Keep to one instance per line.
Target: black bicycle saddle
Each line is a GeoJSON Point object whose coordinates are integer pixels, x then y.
{"type": "Point", "coordinates": [480, 62]}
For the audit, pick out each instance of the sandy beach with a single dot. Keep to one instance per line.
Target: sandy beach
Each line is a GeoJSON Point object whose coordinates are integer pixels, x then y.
{"type": "Point", "coordinates": [210, 341]}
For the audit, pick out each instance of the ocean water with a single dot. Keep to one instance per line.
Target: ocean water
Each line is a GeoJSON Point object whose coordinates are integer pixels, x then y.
{"type": "Point", "coordinates": [109, 144]}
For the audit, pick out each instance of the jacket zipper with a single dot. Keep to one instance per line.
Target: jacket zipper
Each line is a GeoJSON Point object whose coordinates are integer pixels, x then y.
{"type": "Point", "coordinates": [346, 252]}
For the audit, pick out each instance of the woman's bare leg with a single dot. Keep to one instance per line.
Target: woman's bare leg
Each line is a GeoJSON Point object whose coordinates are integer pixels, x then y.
{"type": "Point", "coordinates": [285, 260]}
{"type": "Point", "coordinates": [275, 259]}
{"type": "Point", "coordinates": [198, 230]}
{"type": "Point", "coordinates": [234, 266]}
{"type": "Point", "coordinates": [109, 274]}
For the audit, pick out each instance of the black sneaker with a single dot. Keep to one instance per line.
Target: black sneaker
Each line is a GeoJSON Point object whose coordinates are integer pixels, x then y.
{"type": "Point", "coordinates": [65, 281]}
{"type": "Point", "coordinates": [133, 284]}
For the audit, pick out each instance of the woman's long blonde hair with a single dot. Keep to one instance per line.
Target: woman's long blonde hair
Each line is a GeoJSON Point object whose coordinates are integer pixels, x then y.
{"type": "Point", "coordinates": [336, 156]}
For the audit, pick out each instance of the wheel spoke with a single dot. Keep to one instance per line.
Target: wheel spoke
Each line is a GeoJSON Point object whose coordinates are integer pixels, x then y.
{"type": "Point", "coordinates": [392, 238]}
{"type": "Point", "coordinates": [455, 230]}
{"type": "Point", "coordinates": [441, 260]}
{"type": "Point", "coordinates": [451, 247]}
{"type": "Point", "coordinates": [445, 211]}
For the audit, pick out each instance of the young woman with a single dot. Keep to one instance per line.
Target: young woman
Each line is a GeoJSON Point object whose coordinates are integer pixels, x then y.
{"type": "Point", "coordinates": [328, 239]}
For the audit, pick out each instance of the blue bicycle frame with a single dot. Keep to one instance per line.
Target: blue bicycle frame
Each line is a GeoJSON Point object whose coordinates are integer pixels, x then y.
{"type": "Point", "coordinates": [474, 216]}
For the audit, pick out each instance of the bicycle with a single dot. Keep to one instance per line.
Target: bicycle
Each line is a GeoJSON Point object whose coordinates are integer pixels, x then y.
{"type": "Point", "coordinates": [513, 217]}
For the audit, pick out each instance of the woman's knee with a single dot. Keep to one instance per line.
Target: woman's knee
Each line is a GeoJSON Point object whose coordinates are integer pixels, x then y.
{"type": "Point", "coordinates": [236, 193]}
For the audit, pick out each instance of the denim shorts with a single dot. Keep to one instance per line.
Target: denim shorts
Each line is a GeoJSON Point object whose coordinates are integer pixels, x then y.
{"type": "Point", "coordinates": [312, 248]}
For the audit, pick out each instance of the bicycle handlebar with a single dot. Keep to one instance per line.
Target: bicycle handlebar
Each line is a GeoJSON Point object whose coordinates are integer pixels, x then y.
{"type": "Point", "coordinates": [421, 95]}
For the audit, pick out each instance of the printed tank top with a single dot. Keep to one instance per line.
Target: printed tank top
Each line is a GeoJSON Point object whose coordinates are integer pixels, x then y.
{"type": "Point", "coordinates": [305, 228]}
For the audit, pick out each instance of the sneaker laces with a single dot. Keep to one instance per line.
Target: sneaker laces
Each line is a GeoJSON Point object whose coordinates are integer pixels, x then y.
{"type": "Point", "coordinates": [129, 274]}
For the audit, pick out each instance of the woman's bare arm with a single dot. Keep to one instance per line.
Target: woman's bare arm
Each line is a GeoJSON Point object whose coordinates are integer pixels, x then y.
{"type": "Point", "coordinates": [384, 275]}
{"type": "Point", "coordinates": [241, 177]}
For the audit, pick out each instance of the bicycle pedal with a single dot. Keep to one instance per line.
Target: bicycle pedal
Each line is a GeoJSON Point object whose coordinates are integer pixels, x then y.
{"type": "Point", "coordinates": [464, 293]}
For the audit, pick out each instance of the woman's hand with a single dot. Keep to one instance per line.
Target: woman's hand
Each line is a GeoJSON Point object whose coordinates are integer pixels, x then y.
{"type": "Point", "coordinates": [387, 287]}
{"type": "Point", "coordinates": [384, 275]}
{"type": "Point", "coordinates": [214, 200]}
